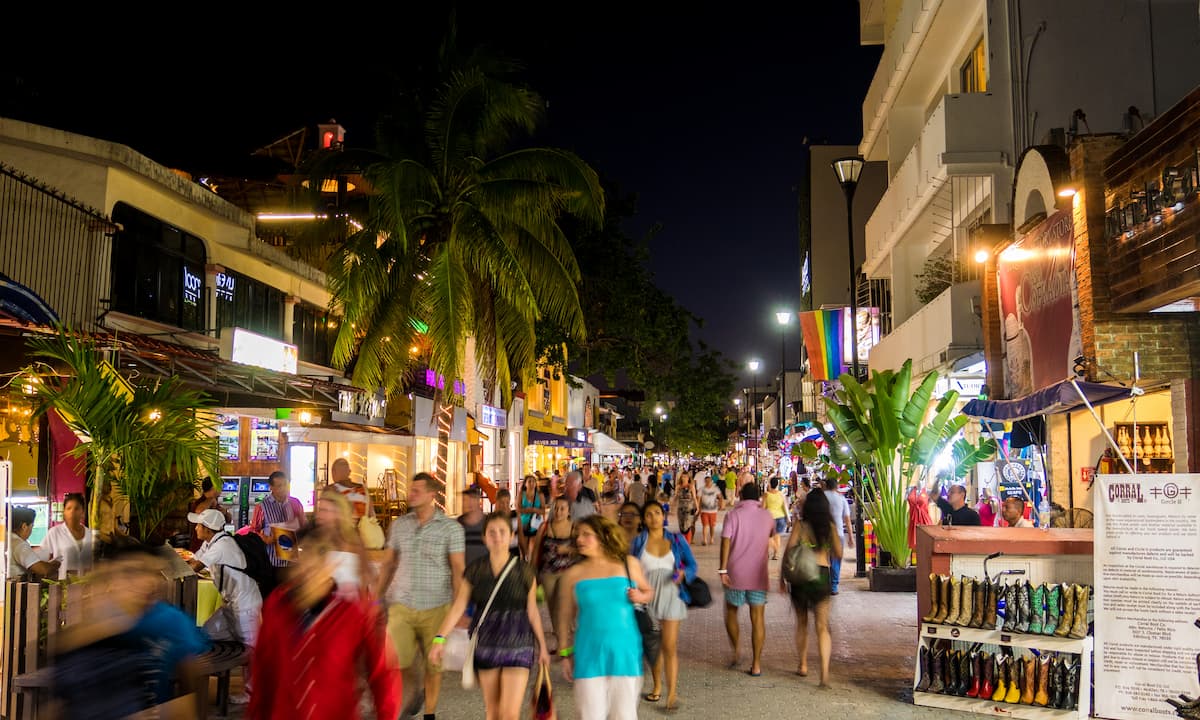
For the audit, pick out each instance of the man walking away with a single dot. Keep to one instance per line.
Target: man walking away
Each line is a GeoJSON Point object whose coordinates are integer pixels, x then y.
{"type": "Point", "coordinates": [839, 509]}
{"type": "Point", "coordinates": [745, 536]}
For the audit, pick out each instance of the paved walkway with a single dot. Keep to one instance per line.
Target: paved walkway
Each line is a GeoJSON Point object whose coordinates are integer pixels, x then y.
{"type": "Point", "coordinates": [874, 638]}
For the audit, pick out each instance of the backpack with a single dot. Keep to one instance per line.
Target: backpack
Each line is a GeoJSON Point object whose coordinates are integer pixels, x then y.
{"type": "Point", "coordinates": [258, 563]}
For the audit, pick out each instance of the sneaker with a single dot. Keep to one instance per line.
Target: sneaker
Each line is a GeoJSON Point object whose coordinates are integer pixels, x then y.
{"type": "Point", "coordinates": [239, 699]}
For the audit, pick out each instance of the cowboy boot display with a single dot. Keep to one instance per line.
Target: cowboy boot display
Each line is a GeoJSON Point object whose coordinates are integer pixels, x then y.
{"type": "Point", "coordinates": [1027, 687]}
{"type": "Point", "coordinates": [955, 590]}
{"type": "Point", "coordinates": [1024, 604]}
{"type": "Point", "coordinates": [1057, 679]}
{"type": "Point", "coordinates": [943, 599]}
{"type": "Point", "coordinates": [1070, 681]}
{"type": "Point", "coordinates": [987, 665]}
{"type": "Point", "coordinates": [1015, 679]}
{"type": "Point", "coordinates": [1068, 612]}
{"type": "Point", "coordinates": [925, 679]}
{"type": "Point", "coordinates": [1042, 696]}
{"type": "Point", "coordinates": [1079, 627]}
{"type": "Point", "coordinates": [1010, 607]}
{"type": "Point", "coordinates": [1001, 678]}
{"type": "Point", "coordinates": [978, 599]}
{"type": "Point", "coordinates": [967, 590]}
{"type": "Point", "coordinates": [976, 672]}
{"type": "Point", "coordinates": [935, 671]}
{"type": "Point", "coordinates": [1037, 614]}
{"type": "Point", "coordinates": [1053, 612]}
{"type": "Point", "coordinates": [966, 674]}
{"type": "Point", "coordinates": [989, 610]}
{"type": "Point", "coordinates": [935, 586]}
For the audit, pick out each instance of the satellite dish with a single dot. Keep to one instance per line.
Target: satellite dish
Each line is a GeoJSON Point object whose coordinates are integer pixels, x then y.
{"type": "Point", "coordinates": [649, 444]}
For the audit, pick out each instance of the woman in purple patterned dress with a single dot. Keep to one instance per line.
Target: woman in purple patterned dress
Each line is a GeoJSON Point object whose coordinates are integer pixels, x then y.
{"type": "Point", "coordinates": [509, 638]}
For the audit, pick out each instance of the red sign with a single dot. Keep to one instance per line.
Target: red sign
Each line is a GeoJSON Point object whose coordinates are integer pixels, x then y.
{"type": "Point", "coordinates": [1036, 277]}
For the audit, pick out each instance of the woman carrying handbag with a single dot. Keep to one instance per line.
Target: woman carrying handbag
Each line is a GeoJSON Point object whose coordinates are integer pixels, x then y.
{"type": "Point", "coordinates": [506, 634]}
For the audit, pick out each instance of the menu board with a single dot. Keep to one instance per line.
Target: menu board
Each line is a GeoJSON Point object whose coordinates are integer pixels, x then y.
{"type": "Point", "coordinates": [264, 439]}
{"type": "Point", "coordinates": [229, 436]}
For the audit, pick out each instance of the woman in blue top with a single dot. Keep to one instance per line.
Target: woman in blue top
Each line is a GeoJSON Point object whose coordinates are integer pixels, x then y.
{"type": "Point", "coordinates": [667, 560]}
{"type": "Point", "coordinates": [532, 505]}
{"type": "Point", "coordinates": [596, 597]}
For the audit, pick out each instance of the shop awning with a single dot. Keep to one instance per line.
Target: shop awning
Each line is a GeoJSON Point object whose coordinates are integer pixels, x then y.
{"type": "Point", "coordinates": [605, 445]}
{"type": "Point", "coordinates": [537, 437]}
{"type": "Point", "coordinates": [1058, 398]}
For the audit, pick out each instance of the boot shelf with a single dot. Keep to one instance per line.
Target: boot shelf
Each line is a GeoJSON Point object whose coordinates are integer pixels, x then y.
{"type": "Point", "coordinates": [997, 709]}
{"type": "Point", "coordinates": [998, 637]}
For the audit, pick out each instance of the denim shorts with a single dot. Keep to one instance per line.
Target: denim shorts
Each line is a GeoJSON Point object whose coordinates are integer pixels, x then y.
{"type": "Point", "coordinates": [738, 598]}
{"type": "Point", "coordinates": [780, 525]}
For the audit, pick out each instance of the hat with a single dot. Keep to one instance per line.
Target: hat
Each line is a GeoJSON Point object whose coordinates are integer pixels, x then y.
{"type": "Point", "coordinates": [211, 519]}
{"type": "Point", "coordinates": [473, 489]}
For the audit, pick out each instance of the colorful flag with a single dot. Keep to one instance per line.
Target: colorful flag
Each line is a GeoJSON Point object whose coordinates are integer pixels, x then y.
{"type": "Point", "coordinates": [822, 331]}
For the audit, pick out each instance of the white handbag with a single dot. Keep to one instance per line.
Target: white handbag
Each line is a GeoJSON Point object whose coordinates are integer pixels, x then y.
{"type": "Point", "coordinates": [468, 671]}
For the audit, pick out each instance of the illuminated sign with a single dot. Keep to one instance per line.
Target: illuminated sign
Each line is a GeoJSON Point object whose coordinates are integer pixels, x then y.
{"type": "Point", "coordinates": [191, 286]}
{"type": "Point", "coordinates": [493, 417]}
{"type": "Point", "coordinates": [224, 287]}
{"type": "Point", "coordinates": [361, 407]}
{"type": "Point", "coordinates": [247, 348]}
{"type": "Point", "coordinates": [868, 334]}
{"type": "Point", "coordinates": [437, 380]}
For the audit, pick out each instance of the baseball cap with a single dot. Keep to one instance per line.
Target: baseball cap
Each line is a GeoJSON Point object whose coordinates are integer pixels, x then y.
{"type": "Point", "coordinates": [211, 519]}
{"type": "Point", "coordinates": [473, 489]}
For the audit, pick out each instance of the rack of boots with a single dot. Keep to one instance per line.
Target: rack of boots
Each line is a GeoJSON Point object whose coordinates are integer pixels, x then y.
{"type": "Point", "coordinates": [1039, 679]}
{"type": "Point", "coordinates": [1047, 609]}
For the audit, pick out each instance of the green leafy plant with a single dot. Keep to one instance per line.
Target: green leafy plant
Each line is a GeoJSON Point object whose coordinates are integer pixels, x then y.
{"type": "Point", "coordinates": [153, 442]}
{"type": "Point", "coordinates": [883, 427]}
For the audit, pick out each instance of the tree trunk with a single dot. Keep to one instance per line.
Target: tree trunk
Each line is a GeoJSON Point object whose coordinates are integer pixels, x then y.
{"type": "Point", "coordinates": [444, 415]}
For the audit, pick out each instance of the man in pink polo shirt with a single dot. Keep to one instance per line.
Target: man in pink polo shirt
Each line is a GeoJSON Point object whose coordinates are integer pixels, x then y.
{"type": "Point", "coordinates": [745, 535]}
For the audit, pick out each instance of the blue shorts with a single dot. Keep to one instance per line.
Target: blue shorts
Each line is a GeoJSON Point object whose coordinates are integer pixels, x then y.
{"type": "Point", "coordinates": [738, 598]}
{"type": "Point", "coordinates": [780, 525]}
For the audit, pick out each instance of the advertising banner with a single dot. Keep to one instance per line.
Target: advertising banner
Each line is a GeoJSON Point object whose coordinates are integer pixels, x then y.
{"type": "Point", "coordinates": [1147, 577]}
{"type": "Point", "coordinates": [1036, 278]}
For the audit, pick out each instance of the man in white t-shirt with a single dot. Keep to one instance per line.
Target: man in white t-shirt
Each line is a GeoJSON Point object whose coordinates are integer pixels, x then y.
{"type": "Point", "coordinates": [840, 510]}
{"type": "Point", "coordinates": [221, 554]}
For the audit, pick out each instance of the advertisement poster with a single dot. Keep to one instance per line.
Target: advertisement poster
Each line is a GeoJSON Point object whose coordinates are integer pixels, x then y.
{"type": "Point", "coordinates": [264, 440]}
{"type": "Point", "coordinates": [1036, 278]}
{"type": "Point", "coordinates": [1147, 578]}
{"type": "Point", "coordinates": [229, 436]}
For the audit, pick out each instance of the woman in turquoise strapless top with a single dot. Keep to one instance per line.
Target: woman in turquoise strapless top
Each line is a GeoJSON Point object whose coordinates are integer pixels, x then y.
{"type": "Point", "coordinates": [596, 597]}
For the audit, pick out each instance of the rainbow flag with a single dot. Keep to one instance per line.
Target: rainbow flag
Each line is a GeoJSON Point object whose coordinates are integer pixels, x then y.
{"type": "Point", "coordinates": [822, 331]}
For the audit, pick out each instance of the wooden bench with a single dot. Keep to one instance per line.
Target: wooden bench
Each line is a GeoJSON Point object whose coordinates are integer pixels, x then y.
{"type": "Point", "coordinates": [220, 661]}
{"type": "Point", "coordinates": [36, 685]}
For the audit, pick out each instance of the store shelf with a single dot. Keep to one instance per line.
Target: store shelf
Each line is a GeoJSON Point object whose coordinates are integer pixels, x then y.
{"type": "Point", "coordinates": [999, 709]}
{"type": "Point", "coordinates": [997, 637]}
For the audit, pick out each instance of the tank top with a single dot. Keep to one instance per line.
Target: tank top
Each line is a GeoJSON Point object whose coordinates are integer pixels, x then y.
{"type": "Point", "coordinates": [773, 501]}
{"type": "Point", "coordinates": [556, 554]}
{"type": "Point", "coordinates": [650, 561]}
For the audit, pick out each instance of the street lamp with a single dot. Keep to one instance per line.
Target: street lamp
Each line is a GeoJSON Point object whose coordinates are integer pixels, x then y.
{"type": "Point", "coordinates": [783, 318]}
{"type": "Point", "coordinates": [737, 404]}
{"type": "Point", "coordinates": [754, 365]}
{"type": "Point", "coordinates": [848, 170]}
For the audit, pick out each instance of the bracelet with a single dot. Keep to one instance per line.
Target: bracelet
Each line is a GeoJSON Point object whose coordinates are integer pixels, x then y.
{"type": "Point", "coordinates": [722, 572]}
{"type": "Point", "coordinates": [439, 639]}
{"type": "Point", "coordinates": [567, 652]}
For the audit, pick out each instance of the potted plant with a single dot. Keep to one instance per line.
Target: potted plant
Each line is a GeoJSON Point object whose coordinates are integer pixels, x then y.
{"type": "Point", "coordinates": [153, 442]}
{"type": "Point", "coordinates": [884, 426]}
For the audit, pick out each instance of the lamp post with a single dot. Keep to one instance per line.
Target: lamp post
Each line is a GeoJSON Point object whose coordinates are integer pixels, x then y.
{"type": "Point", "coordinates": [783, 318]}
{"type": "Point", "coordinates": [737, 404]}
{"type": "Point", "coordinates": [754, 365]}
{"type": "Point", "coordinates": [848, 170]}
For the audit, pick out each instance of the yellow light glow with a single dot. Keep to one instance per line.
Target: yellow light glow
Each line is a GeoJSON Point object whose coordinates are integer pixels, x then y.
{"type": "Point", "coordinates": [981, 256]}
{"type": "Point", "coordinates": [305, 417]}
{"type": "Point", "coordinates": [1015, 254]}
{"type": "Point", "coordinates": [290, 216]}
{"type": "Point", "coordinates": [414, 349]}
{"type": "Point", "coordinates": [154, 415]}
{"type": "Point", "coordinates": [1067, 192]}
{"type": "Point", "coordinates": [329, 185]}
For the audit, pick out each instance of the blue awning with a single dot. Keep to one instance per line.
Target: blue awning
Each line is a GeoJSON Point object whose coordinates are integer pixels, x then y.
{"type": "Point", "coordinates": [24, 304]}
{"type": "Point", "coordinates": [537, 437]}
{"type": "Point", "coordinates": [1058, 398]}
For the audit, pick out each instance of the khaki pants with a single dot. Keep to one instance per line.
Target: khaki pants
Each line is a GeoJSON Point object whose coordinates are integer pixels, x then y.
{"type": "Point", "coordinates": [413, 631]}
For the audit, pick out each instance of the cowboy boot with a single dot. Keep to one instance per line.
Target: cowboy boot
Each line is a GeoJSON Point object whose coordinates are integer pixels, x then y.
{"type": "Point", "coordinates": [935, 586]}
{"type": "Point", "coordinates": [955, 590]}
{"type": "Point", "coordinates": [988, 666]}
{"type": "Point", "coordinates": [1057, 679]}
{"type": "Point", "coordinates": [1024, 605]}
{"type": "Point", "coordinates": [1016, 679]}
{"type": "Point", "coordinates": [977, 602]}
{"type": "Point", "coordinates": [925, 679]}
{"type": "Point", "coordinates": [1070, 679]}
{"type": "Point", "coordinates": [1068, 613]}
{"type": "Point", "coordinates": [1027, 691]}
{"type": "Point", "coordinates": [976, 672]}
{"type": "Point", "coordinates": [1042, 696]}
{"type": "Point", "coordinates": [968, 594]}
{"type": "Point", "coordinates": [936, 661]}
{"type": "Point", "coordinates": [1010, 607]}
{"type": "Point", "coordinates": [955, 685]}
{"type": "Point", "coordinates": [1053, 609]}
{"type": "Point", "coordinates": [1037, 615]}
{"type": "Point", "coordinates": [943, 599]}
{"type": "Point", "coordinates": [1001, 678]}
{"type": "Point", "coordinates": [989, 610]}
{"type": "Point", "coordinates": [965, 676]}
{"type": "Point", "coordinates": [1079, 627]}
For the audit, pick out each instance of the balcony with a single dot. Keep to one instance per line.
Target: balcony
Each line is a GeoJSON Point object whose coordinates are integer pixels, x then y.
{"type": "Point", "coordinates": [965, 134]}
{"type": "Point", "coordinates": [939, 333]}
{"type": "Point", "coordinates": [899, 51]}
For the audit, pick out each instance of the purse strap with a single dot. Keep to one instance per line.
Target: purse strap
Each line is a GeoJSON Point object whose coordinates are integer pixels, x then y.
{"type": "Point", "coordinates": [496, 589]}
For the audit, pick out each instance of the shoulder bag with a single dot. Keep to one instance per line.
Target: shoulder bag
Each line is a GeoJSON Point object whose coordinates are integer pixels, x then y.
{"type": "Point", "coordinates": [800, 564]}
{"type": "Point", "coordinates": [468, 671]}
{"type": "Point", "coordinates": [647, 625]}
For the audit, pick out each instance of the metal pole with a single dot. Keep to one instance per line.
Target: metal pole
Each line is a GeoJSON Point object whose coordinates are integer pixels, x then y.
{"type": "Point", "coordinates": [754, 420]}
{"type": "Point", "coordinates": [782, 379]}
{"type": "Point", "coordinates": [860, 559]}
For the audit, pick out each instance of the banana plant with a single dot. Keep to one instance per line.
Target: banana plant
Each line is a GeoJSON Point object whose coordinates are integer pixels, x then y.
{"type": "Point", "coordinates": [884, 426]}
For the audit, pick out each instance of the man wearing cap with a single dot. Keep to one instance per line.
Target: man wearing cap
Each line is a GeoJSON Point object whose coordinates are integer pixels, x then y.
{"type": "Point", "coordinates": [220, 553]}
{"type": "Point", "coordinates": [472, 523]}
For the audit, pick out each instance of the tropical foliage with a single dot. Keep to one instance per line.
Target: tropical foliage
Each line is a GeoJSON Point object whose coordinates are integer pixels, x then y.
{"type": "Point", "coordinates": [882, 425]}
{"type": "Point", "coordinates": [154, 442]}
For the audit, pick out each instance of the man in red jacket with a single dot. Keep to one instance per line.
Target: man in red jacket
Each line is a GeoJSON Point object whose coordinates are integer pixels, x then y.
{"type": "Point", "coordinates": [312, 645]}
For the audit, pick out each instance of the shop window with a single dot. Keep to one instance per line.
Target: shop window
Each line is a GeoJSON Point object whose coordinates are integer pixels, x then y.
{"type": "Point", "coordinates": [314, 332]}
{"type": "Point", "coordinates": [157, 270]}
{"type": "Point", "coordinates": [247, 303]}
{"type": "Point", "coordinates": [973, 75]}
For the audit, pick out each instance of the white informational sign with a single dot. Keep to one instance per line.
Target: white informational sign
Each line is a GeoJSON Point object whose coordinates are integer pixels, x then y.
{"type": "Point", "coordinates": [1147, 577]}
{"type": "Point", "coordinates": [247, 348]}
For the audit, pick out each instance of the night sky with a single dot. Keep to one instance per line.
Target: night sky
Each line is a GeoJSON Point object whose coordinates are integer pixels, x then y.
{"type": "Point", "coordinates": [703, 113]}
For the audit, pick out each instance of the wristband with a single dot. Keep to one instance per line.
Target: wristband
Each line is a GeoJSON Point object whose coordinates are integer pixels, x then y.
{"type": "Point", "coordinates": [439, 639]}
{"type": "Point", "coordinates": [567, 652]}
{"type": "Point", "coordinates": [722, 572]}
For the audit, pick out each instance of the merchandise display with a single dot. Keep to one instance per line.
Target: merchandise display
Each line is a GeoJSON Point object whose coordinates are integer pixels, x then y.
{"type": "Point", "coordinates": [1063, 610]}
{"type": "Point", "coordinates": [1040, 678]}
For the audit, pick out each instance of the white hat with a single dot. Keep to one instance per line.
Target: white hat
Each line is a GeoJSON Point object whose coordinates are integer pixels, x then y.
{"type": "Point", "coordinates": [211, 519]}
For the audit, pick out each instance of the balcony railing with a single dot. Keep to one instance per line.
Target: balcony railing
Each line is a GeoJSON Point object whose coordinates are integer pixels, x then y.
{"type": "Point", "coordinates": [899, 50]}
{"type": "Point", "coordinates": [941, 332]}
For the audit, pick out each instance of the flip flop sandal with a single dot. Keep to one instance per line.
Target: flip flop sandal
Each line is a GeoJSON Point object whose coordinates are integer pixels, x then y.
{"type": "Point", "coordinates": [652, 697]}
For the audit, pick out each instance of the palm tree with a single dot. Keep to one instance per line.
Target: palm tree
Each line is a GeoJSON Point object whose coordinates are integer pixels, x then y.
{"type": "Point", "coordinates": [152, 442]}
